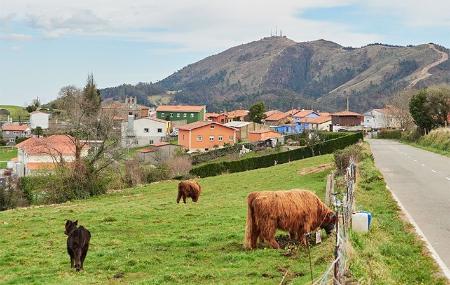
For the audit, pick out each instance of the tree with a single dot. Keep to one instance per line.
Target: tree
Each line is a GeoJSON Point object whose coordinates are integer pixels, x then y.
{"type": "Point", "coordinates": [429, 108]}
{"type": "Point", "coordinates": [257, 112]}
{"type": "Point", "coordinates": [38, 131]}
{"type": "Point", "coordinates": [91, 97]}
{"type": "Point", "coordinates": [398, 110]}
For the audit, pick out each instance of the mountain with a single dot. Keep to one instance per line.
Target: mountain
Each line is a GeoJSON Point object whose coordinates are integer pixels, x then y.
{"type": "Point", "coordinates": [285, 74]}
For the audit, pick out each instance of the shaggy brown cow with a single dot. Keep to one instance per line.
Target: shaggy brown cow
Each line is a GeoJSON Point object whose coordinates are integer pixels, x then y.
{"type": "Point", "coordinates": [189, 189]}
{"type": "Point", "coordinates": [77, 243]}
{"type": "Point", "coordinates": [295, 211]}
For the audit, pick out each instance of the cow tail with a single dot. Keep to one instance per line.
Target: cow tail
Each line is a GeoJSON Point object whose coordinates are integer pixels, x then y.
{"type": "Point", "coordinates": [250, 226]}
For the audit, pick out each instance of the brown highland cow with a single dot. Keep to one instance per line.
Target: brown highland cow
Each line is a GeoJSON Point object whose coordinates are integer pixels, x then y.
{"type": "Point", "coordinates": [188, 189]}
{"type": "Point", "coordinates": [295, 211]}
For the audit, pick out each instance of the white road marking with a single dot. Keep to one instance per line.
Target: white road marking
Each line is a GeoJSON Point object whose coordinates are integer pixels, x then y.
{"type": "Point", "coordinates": [448, 178]}
{"type": "Point", "coordinates": [433, 252]}
{"type": "Point", "coordinates": [434, 171]}
{"type": "Point", "coordinates": [415, 160]}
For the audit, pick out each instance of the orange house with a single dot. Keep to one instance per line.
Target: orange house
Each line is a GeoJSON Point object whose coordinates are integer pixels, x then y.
{"type": "Point", "coordinates": [262, 135]}
{"type": "Point", "coordinates": [205, 135]}
{"type": "Point", "coordinates": [218, 118]}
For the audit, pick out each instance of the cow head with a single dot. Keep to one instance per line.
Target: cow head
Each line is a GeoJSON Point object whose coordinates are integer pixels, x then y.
{"type": "Point", "coordinates": [329, 222]}
{"type": "Point", "coordinates": [70, 227]}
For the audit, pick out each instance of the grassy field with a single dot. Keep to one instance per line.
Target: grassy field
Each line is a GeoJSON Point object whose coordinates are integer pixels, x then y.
{"type": "Point", "coordinates": [390, 253]}
{"type": "Point", "coordinates": [16, 112]}
{"type": "Point", "coordinates": [141, 236]}
{"type": "Point", "coordinates": [6, 154]}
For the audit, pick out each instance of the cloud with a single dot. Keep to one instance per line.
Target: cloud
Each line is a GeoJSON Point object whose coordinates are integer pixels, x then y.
{"type": "Point", "coordinates": [16, 37]}
{"type": "Point", "coordinates": [200, 25]}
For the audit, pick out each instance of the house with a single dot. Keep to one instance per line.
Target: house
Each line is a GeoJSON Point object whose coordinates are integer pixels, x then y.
{"type": "Point", "coordinates": [321, 123]}
{"type": "Point", "coordinates": [243, 128]}
{"type": "Point", "coordinates": [205, 135]}
{"type": "Point", "coordinates": [375, 119]}
{"type": "Point", "coordinates": [218, 118]}
{"type": "Point", "coordinates": [39, 119]}
{"type": "Point", "coordinates": [271, 112]}
{"type": "Point", "coordinates": [346, 120]}
{"type": "Point", "coordinates": [43, 154]}
{"type": "Point", "coordinates": [287, 129]}
{"type": "Point", "coordinates": [144, 131]}
{"type": "Point", "coordinates": [158, 152]}
{"type": "Point", "coordinates": [238, 115]}
{"type": "Point", "coordinates": [278, 119]}
{"type": "Point", "coordinates": [299, 119]}
{"type": "Point", "coordinates": [292, 112]}
{"type": "Point", "coordinates": [124, 109]}
{"type": "Point", "coordinates": [13, 131]}
{"type": "Point", "coordinates": [183, 114]}
{"type": "Point", "coordinates": [262, 135]}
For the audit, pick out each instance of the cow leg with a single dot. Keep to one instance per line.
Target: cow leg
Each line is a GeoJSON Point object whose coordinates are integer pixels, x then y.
{"type": "Point", "coordinates": [292, 235]}
{"type": "Point", "coordinates": [83, 256]}
{"type": "Point", "coordinates": [270, 234]}
{"type": "Point", "coordinates": [184, 198]}
{"type": "Point", "coordinates": [69, 251]}
{"type": "Point", "coordinates": [254, 239]}
{"type": "Point", "coordinates": [179, 197]}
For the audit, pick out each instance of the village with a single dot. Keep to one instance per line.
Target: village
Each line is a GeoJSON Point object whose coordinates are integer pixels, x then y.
{"type": "Point", "coordinates": [169, 128]}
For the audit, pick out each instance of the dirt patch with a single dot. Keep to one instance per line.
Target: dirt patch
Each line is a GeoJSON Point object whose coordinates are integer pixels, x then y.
{"type": "Point", "coordinates": [315, 169]}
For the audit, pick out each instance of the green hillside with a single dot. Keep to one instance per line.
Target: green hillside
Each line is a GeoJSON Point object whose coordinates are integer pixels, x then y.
{"type": "Point", "coordinates": [16, 112]}
{"type": "Point", "coordinates": [142, 236]}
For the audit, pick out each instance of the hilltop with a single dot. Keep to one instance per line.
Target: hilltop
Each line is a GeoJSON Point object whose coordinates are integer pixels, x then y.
{"type": "Point", "coordinates": [284, 74]}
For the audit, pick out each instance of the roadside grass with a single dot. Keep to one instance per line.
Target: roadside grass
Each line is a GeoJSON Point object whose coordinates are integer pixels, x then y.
{"type": "Point", "coordinates": [437, 141]}
{"type": "Point", "coordinates": [141, 236]}
{"type": "Point", "coordinates": [16, 112]}
{"type": "Point", "coordinates": [6, 154]}
{"type": "Point", "coordinates": [391, 253]}
{"type": "Point", "coordinates": [427, 147]}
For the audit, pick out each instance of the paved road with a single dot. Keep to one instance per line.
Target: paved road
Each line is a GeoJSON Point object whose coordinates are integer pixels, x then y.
{"type": "Point", "coordinates": [421, 182]}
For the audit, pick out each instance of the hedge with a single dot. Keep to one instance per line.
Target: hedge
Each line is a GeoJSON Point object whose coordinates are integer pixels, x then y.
{"type": "Point", "coordinates": [390, 134]}
{"type": "Point", "coordinates": [325, 147]}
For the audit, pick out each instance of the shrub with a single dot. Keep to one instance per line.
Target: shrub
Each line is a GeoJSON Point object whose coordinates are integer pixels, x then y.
{"type": "Point", "coordinates": [179, 166]}
{"type": "Point", "coordinates": [153, 174]}
{"type": "Point", "coordinates": [11, 196]}
{"type": "Point", "coordinates": [329, 146]}
{"type": "Point", "coordinates": [134, 173]}
{"type": "Point", "coordinates": [342, 156]}
{"type": "Point", "coordinates": [411, 136]}
{"type": "Point", "coordinates": [389, 134]}
{"type": "Point", "coordinates": [438, 139]}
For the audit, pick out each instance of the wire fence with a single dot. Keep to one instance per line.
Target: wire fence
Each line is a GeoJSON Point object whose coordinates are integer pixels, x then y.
{"type": "Point", "coordinates": [343, 204]}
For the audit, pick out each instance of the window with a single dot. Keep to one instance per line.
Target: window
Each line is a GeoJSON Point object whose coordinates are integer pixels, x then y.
{"type": "Point", "coordinates": [231, 138]}
{"type": "Point", "coordinates": [220, 138]}
{"type": "Point", "coordinates": [151, 141]}
{"type": "Point", "coordinates": [162, 114]}
{"type": "Point", "coordinates": [145, 130]}
{"type": "Point", "coordinates": [212, 126]}
{"type": "Point", "coordinates": [159, 130]}
{"type": "Point", "coordinates": [130, 113]}
{"type": "Point", "coordinates": [178, 115]}
{"type": "Point", "coordinates": [199, 138]}
{"type": "Point", "coordinates": [211, 138]}
{"type": "Point", "coordinates": [183, 136]}
{"type": "Point", "coordinates": [171, 115]}
{"type": "Point", "coordinates": [184, 115]}
{"type": "Point", "coordinates": [192, 115]}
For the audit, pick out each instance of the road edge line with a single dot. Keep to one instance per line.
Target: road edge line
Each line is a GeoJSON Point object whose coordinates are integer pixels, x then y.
{"type": "Point", "coordinates": [445, 270]}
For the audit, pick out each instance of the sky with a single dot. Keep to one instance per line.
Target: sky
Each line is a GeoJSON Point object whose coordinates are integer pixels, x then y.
{"type": "Point", "coordinates": [48, 44]}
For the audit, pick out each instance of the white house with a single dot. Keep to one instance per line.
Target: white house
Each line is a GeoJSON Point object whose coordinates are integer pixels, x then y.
{"type": "Point", "coordinates": [39, 119]}
{"type": "Point", "coordinates": [43, 154]}
{"type": "Point", "coordinates": [144, 131]}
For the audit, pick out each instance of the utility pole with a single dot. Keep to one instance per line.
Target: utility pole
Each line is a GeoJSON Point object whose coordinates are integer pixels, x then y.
{"type": "Point", "coordinates": [347, 104]}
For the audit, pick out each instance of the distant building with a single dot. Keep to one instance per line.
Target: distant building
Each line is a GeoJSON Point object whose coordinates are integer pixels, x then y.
{"type": "Point", "coordinates": [244, 128]}
{"type": "Point", "coordinates": [13, 131]}
{"type": "Point", "coordinates": [185, 114]}
{"type": "Point", "coordinates": [262, 135]}
{"type": "Point", "coordinates": [204, 135]}
{"type": "Point", "coordinates": [218, 118]}
{"type": "Point", "coordinates": [121, 110]}
{"type": "Point", "coordinates": [144, 131]}
{"type": "Point", "coordinates": [159, 152]}
{"type": "Point", "coordinates": [238, 115]}
{"type": "Point", "coordinates": [43, 154]}
{"type": "Point", "coordinates": [381, 118]}
{"type": "Point", "coordinates": [346, 119]}
{"type": "Point", "coordinates": [278, 119]}
{"type": "Point", "coordinates": [321, 123]}
{"type": "Point", "coordinates": [271, 112]}
{"type": "Point", "coordinates": [39, 119]}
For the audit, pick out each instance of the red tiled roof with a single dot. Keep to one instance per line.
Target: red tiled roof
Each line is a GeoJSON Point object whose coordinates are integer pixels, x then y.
{"type": "Point", "coordinates": [214, 115]}
{"type": "Point", "coordinates": [52, 145]}
{"type": "Point", "coordinates": [179, 108]}
{"type": "Point", "coordinates": [293, 111]}
{"type": "Point", "coordinates": [263, 132]}
{"type": "Point", "coordinates": [271, 112]}
{"type": "Point", "coordinates": [160, 144]}
{"type": "Point", "coordinates": [41, 165]}
{"type": "Point", "coordinates": [317, 120]}
{"type": "Point", "coordinates": [325, 114]}
{"type": "Point", "coordinates": [15, 127]}
{"type": "Point", "coordinates": [200, 124]}
{"type": "Point", "coordinates": [277, 117]}
{"type": "Point", "coordinates": [303, 113]}
{"type": "Point", "coordinates": [237, 113]}
{"type": "Point", "coordinates": [146, 150]}
{"type": "Point", "coordinates": [346, 113]}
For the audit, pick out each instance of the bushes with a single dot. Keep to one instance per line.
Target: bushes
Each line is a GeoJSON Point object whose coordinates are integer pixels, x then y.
{"type": "Point", "coordinates": [11, 196]}
{"type": "Point", "coordinates": [329, 146]}
{"type": "Point", "coordinates": [342, 156]}
{"type": "Point", "coordinates": [438, 139]}
{"type": "Point", "coordinates": [389, 134]}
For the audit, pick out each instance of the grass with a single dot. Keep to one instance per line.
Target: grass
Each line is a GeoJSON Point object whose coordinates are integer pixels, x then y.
{"type": "Point", "coordinates": [391, 253]}
{"type": "Point", "coordinates": [141, 236]}
{"type": "Point", "coordinates": [16, 112]}
{"type": "Point", "coordinates": [6, 154]}
{"type": "Point", "coordinates": [437, 141]}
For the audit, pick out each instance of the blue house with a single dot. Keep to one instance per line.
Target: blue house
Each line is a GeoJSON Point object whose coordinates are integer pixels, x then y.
{"type": "Point", "coordinates": [301, 119]}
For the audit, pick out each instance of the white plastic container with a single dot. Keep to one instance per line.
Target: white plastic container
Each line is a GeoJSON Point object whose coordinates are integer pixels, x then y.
{"type": "Point", "coordinates": [361, 222]}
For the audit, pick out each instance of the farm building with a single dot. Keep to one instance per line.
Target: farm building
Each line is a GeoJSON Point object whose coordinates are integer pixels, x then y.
{"type": "Point", "coordinates": [278, 119]}
{"type": "Point", "coordinates": [346, 119]}
{"type": "Point", "coordinates": [243, 128]}
{"type": "Point", "coordinates": [39, 119]}
{"type": "Point", "coordinates": [322, 123]}
{"type": "Point", "coordinates": [13, 131]}
{"type": "Point", "coordinates": [184, 114]}
{"type": "Point", "coordinates": [144, 131]}
{"type": "Point", "coordinates": [158, 152]}
{"type": "Point", "coordinates": [271, 112]}
{"type": "Point", "coordinates": [205, 135]}
{"type": "Point", "coordinates": [262, 135]}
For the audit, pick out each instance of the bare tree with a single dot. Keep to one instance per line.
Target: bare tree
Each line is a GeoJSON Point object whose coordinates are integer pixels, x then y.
{"type": "Point", "coordinates": [398, 110]}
